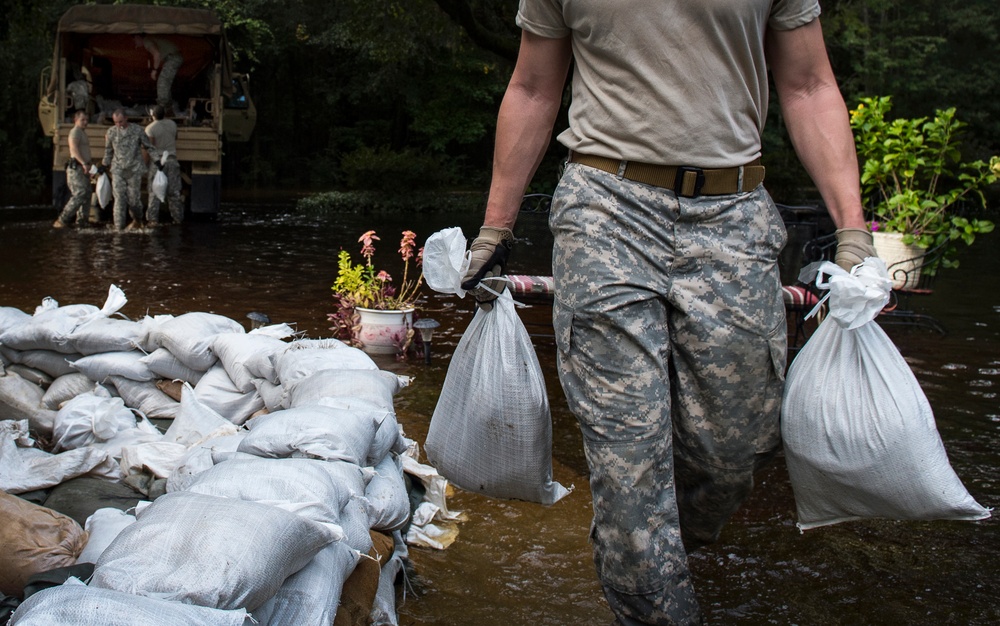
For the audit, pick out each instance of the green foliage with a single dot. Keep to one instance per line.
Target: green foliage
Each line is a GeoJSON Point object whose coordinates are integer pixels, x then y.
{"type": "Point", "coordinates": [913, 176]}
{"type": "Point", "coordinates": [401, 201]}
{"type": "Point", "coordinates": [371, 169]}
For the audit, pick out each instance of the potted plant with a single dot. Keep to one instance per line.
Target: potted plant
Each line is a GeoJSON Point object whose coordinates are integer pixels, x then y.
{"type": "Point", "coordinates": [372, 311]}
{"type": "Point", "coordinates": [914, 181]}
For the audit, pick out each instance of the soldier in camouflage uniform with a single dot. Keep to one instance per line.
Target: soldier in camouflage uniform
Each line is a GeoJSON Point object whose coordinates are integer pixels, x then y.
{"type": "Point", "coordinates": [77, 173]}
{"type": "Point", "coordinates": [668, 314]}
{"type": "Point", "coordinates": [163, 134]}
{"type": "Point", "coordinates": [123, 145]}
{"type": "Point", "coordinates": [166, 59]}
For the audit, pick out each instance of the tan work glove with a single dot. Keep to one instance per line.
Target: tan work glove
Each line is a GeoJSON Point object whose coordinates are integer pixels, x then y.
{"type": "Point", "coordinates": [488, 260]}
{"type": "Point", "coordinates": [853, 246]}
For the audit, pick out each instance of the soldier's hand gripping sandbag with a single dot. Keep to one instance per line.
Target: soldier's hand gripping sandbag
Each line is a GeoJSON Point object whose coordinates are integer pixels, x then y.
{"type": "Point", "coordinates": [854, 245]}
{"type": "Point", "coordinates": [488, 260]}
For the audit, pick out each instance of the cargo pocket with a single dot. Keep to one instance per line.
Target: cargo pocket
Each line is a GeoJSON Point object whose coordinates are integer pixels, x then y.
{"type": "Point", "coordinates": [769, 437]}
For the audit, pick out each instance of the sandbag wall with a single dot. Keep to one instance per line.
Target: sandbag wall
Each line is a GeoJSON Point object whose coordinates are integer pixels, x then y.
{"type": "Point", "coordinates": [282, 460]}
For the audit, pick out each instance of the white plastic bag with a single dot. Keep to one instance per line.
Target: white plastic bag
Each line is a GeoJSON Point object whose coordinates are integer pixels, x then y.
{"type": "Point", "coordinates": [859, 435]}
{"type": "Point", "coordinates": [491, 431]}
{"type": "Point", "coordinates": [103, 190]}
{"type": "Point", "coordinates": [160, 185]}
{"type": "Point", "coordinates": [446, 261]}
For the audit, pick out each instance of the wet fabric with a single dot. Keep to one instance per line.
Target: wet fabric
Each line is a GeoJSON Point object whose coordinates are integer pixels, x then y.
{"type": "Point", "coordinates": [122, 152]}
{"type": "Point", "coordinates": [163, 133]}
{"type": "Point", "coordinates": [79, 189]}
{"type": "Point", "coordinates": [670, 329]}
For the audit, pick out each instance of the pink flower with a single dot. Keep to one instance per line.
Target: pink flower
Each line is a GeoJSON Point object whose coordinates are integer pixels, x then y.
{"type": "Point", "coordinates": [406, 245]}
{"type": "Point", "coordinates": [367, 247]}
{"type": "Point", "coordinates": [874, 226]}
{"type": "Point", "coordinates": [383, 276]}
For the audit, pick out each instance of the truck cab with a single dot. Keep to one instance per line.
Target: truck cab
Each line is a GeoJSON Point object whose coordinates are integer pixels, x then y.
{"type": "Point", "coordinates": [99, 65]}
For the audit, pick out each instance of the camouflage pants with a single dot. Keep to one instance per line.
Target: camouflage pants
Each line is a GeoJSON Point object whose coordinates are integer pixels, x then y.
{"type": "Point", "coordinates": [79, 188]}
{"type": "Point", "coordinates": [670, 331]}
{"type": "Point", "coordinates": [165, 80]}
{"type": "Point", "coordinates": [173, 171]}
{"type": "Point", "coordinates": [126, 186]}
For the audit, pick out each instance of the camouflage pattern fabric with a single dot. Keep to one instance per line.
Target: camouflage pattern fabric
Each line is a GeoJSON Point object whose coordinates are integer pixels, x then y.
{"type": "Point", "coordinates": [123, 154]}
{"type": "Point", "coordinates": [165, 79]}
{"type": "Point", "coordinates": [670, 330]}
{"type": "Point", "coordinates": [173, 171]}
{"type": "Point", "coordinates": [79, 188]}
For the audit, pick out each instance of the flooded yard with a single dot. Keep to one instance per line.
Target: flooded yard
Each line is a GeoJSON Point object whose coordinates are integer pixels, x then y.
{"type": "Point", "coordinates": [520, 563]}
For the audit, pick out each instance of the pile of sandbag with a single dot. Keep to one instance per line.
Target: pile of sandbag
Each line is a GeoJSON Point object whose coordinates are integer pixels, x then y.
{"type": "Point", "coordinates": [281, 470]}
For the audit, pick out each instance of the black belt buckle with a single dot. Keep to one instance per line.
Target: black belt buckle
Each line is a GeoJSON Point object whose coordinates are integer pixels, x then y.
{"type": "Point", "coordinates": [699, 180]}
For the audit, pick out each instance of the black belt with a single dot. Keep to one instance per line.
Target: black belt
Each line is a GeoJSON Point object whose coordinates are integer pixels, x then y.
{"type": "Point", "coordinates": [683, 180]}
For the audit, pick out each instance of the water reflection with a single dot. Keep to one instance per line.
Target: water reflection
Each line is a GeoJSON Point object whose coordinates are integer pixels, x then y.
{"type": "Point", "coordinates": [518, 563]}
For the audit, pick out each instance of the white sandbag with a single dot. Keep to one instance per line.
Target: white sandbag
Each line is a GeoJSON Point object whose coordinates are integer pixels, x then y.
{"type": "Point", "coordinates": [145, 397]}
{"type": "Point", "coordinates": [491, 431]}
{"type": "Point", "coordinates": [196, 422]}
{"type": "Point", "coordinates": [158, 458]}
{"type": "Point", "coordinates": [301, 360]}
{"type": "Point", "coordinates": [103, 190]}
{"type": "Point", "coordinates": [102, 526]}
{"type": "Point", "coordinates": [349, 475]}
{"type": "Point", "coordinates": [214, 552]}
{"type": "Point", "coordinates": [296, 485]}
{"type": "Point", "coordinates": [446, 261]}
{"type": "Point", "coordinates": [355, 520]}
{"type": "Point", "coordinates": [51, 325]}
{"type": "Point", "coordinates": [200, 458]}
{"type": "Point", "coordinates": [98, 367]}
{"type": "Point", "coordinates": [388, 438]}
{"type": "Point", "coordinates": [384, 608]}
{"type": "Point", "coordinates": [88, 418]}
{"type": "Point", "coordinates": [11, 317]}
{"type": "Point", "coordinates": [143, 432]}
{"type": "Point", "coordinates": [106, 334]}
{"type": "Point", "coordinates": [859, 434]}
{"type": "Point", "coordinates": [65, 388]}
{"type": "Point", "coordinates": [311, 595]}
{"type": "Point", "coordinates": [217, 391]}
{"type": "Point", "coordinates": [76, 604]}
{"type": "Point", "coordinates": [20, 399]}
{"type": "Point", "coordinates": [53, 363]}
{"type": "Point", "coordinates": [353, 388]}
{"type": "Point", "coordinates": [189, 337]}
{"type": "Point", "coordinates": [164, 364]}
{"type": "Point", "coordinates": [388, 496]}
{"type": "Point", "coordinates": [244, 356]}
{"type": "Point", "coordinates": [159, 186]}
{"type": "Point", "coordinates": [24, 468]}
{"type": "Point", "coordinates": [313, 432]}
{"type": "Point", "coordinates": [30, 374]}
{"type": "Point", "coordinates": [273, 395]}
{"type": "Point", "coordinates": [49, 329]}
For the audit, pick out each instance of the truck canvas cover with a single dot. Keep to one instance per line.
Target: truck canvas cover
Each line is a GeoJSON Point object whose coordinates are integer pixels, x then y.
{"type": "Point", "coordinates": [107, 31]}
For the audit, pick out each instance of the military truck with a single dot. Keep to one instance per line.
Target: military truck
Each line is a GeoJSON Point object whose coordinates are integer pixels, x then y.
{"type": "Point", "coordinates": [99, 64]}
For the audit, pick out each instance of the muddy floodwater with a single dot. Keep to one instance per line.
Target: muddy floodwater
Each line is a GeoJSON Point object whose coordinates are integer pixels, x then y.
{"type": "Point", "coordinates": [516, 563]}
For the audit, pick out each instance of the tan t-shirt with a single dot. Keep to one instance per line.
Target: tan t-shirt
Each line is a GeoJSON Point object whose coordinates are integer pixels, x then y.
{"type": "Point", "coordinates": [79, 145]}
{"type": "Point", "coordinates": [163, 134]}
{"type": "Point", "coordinates": [674, 82]}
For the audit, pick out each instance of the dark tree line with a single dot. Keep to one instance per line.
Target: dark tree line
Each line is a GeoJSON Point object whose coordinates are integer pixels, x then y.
{"type": "Point", "coordinates": [403, 94]}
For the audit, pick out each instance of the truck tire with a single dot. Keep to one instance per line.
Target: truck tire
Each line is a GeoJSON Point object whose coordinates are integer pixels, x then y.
{"type": "Point", "coordinates": [205, 194]}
